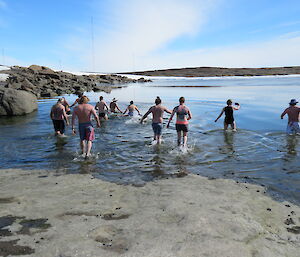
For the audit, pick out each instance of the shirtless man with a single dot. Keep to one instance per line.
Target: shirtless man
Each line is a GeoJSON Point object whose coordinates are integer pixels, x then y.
{"type": "Point", "coordinates": [101, 106]}
{"type": "Point", "coordinates": [113, 106]}
{"type": "Point", "coordinates": [293, 115]}
{"type": "Point", "coordinates": [157, 118]}
{"type": "Point", "coordinates": [59, 116]}
{"type": "Point", "coordinates": [181, 120]}
{"type": "Point", "coordinates": [86, 131]}
{"type": "Point", "coordinates": [130, 108]}
{"type": "Point", "coordinates": [229, 119]}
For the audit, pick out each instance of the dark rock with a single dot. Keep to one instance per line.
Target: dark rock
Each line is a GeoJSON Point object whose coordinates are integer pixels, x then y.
{"type": "Point", "coordinates": [16, 102]}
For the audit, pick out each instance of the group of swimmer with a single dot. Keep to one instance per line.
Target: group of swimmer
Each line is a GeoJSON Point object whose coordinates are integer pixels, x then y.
{"type": "Point", "coordinates": [83, 112]}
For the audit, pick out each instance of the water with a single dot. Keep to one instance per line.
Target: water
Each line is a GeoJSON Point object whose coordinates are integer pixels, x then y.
{"type": "Point", "coordinates": [260, 152]}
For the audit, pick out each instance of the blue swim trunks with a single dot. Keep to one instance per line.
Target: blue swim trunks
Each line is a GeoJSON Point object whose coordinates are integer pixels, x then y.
{"type": "Point", "coordinates": [157, 128]}
{"type": "Point", "coordinates": [86, 131]}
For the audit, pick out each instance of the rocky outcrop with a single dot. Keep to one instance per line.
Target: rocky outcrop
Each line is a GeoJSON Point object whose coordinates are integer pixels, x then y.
{"type": "Point", "coordinates": [16, 102]}
{"type": "Point", "coordinates": [44, 82]}
{"type": "Point", "coordinates": [19, 92]}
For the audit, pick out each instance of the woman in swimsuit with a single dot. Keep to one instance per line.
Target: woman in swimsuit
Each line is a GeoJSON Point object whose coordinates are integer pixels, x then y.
{"type": "Point", "coordinates": [183, 115]}
{"type": "Point", "coordinates": [229, 119]}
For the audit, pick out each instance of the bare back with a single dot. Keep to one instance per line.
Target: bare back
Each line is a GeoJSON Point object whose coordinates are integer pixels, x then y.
{"type": "Point", "coordinates": [293, 113]}
{"type": "Point", "coordinates": [101, 106]}
{"type": "Point", "coordinates": [158, 112]}
{"type": "Point", "coordinates": [84, 112]}
{"type": "Point", "coordinates": [58, 112]}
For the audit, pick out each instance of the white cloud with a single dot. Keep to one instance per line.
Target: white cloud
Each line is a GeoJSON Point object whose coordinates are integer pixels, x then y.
{"type": "Point", "coordinates": [133, 35]}
{"type": "Point", "coordinates": [277, 52]}
{"type": "Point", "coordinates": [143, 27]}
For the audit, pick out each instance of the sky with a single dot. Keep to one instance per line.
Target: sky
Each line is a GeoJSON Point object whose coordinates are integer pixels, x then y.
{"type": "Point", "coordinates": [136, 35]}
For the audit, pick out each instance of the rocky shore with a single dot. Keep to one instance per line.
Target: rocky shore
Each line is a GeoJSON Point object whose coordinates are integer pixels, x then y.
{"type": "Point", "coordinates": [44, 213]}
{"type": "Point", "coordinates": [25, 85]}
{"type": "Point", "coordinates": [220, 72]}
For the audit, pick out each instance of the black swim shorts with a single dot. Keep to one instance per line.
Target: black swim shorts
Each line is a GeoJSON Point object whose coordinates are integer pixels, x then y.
{"type": "Point", "coordinates": [182, 127]}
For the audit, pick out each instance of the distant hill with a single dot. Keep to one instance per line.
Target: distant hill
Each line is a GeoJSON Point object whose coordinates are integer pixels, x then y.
{"type": "Point", "coordinates": [218, 71]}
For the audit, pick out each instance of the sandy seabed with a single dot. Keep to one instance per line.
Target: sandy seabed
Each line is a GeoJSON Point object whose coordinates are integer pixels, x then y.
{"type": "Point", "coordinates": [42, 214]}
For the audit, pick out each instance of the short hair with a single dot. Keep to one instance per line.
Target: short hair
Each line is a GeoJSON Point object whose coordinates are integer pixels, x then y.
{"type": "Point", "coordinates": [59, 100]}
{"type": "Point", "coordinates": [229, 101]}
{"type": "Point", "coordinates": [157, 100]}
{"type": "Point", "coordinates": [131, 102]}
{"type": "Point", "coordinates": [181, 99]}
{"type": "Point", "coordinates": [101, 98]}
{"type": "Point", "coordinates": [84, 100]}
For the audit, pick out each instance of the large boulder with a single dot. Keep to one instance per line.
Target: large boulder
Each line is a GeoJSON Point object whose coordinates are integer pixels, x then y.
{"type": "Point", "coordinates": [16, 102]}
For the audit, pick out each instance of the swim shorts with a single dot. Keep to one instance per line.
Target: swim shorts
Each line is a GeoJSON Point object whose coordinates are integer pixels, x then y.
{"type": "Point", "coordinates": [86, 131]}
{"type": "Point", "coordinates": [292, 127]}
{"type": "Point", "coordinates": [130, 113]}
{"type": "Point", "coordinates": [182, 127]}
{"type": "Point", "coordinates": [229, 120]}
{"type": "Point", "coordinates": [157, 128]}
{"type": "Point", "coordinates": [102, 114]}
{"type": "Point", "coordinates": [59, 125]}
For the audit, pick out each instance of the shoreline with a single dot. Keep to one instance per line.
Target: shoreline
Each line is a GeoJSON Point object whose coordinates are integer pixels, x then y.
{"type": "Point", "coordinates": [77, 215]}
{"type": "Point", "coordinates": [219, 72]}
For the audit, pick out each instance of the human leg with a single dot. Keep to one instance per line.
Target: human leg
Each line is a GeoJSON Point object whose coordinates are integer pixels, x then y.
{"type": "Point", "coordinates": [233, 126]}
{"type": "Point", "coordinates": [184, 138]}
{"type": "Point", "coordinates": [225, 126]}
{"type": "Point", "coordinates": [178, 138]}
{"type": "Point", "coordinates": [89, 147]}
{"type": "Point", "coordinates": [83, 146]}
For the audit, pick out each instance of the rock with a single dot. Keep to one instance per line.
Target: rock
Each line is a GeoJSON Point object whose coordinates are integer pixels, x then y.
{"type": "Point", "coordinates": [16, 102]}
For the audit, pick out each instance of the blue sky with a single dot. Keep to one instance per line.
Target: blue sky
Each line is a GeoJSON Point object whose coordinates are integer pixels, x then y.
{"type": "Point", "coordinates": [149, 34]}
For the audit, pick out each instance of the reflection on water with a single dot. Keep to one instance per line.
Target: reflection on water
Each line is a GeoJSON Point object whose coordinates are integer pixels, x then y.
{"type": "Point", "coordinates": [259, 152]}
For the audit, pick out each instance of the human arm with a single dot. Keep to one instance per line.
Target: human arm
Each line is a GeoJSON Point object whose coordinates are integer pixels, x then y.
{"type": "Point", "coordinates": [51, 114]}
{"type": "Point", "coordinates": [106, 106]}
{"type": "Point", "coordinates": [96, 106]}
{"type": "Point", "coordinates": [220, 115]}
{"type": "Point", "coordinates": [93, 111]}
{"type": "Point", "coordinates": [189, 115]}
{"type": "Point", "coordinates": [118, 108]}
{"type": "Point", "coordinates": [282, 114]}
{"type": "Point", "coordinates": [137, 110]}
{"type": "Point", "coordinates": [146, 114]}
{"type": "Point", "coordinates": [125, 110]}
{"type": "Point", "coordinates": [73, 121]}
{"type": "Point", "coordinates": [65, 116]}
{"type": "Point", "coordinates": [170, 119]}
{"type": "Point", "coordinates": [167, 111]}
{"type": "Point", "coordinates": [236, 106]}
{"type": "Point", "coordinates": [76, 101]}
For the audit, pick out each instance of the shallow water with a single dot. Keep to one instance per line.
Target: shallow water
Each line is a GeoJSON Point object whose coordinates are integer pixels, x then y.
{"type": "Point", "coordinates": [260, 152]}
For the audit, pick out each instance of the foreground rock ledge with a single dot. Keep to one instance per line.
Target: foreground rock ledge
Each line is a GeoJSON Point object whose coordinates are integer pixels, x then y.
{"type": "Point", "coordinates": [191, 216]}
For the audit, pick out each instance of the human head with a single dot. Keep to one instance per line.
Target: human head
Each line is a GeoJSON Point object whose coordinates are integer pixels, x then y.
{"type": "Point", "coordinates": [157, 100]}
{"type": "Point", "coordinates": [79, 94]}
{"type": "Point", "coordinates": [229, 102]}
{"type": "Point", "coordinates": [101, 98]}
{"type": "Point", "coordinates": [293, 102]}
{"type": "Point", "coordinates": [84, 100]}
{"type": "Point", "coordinates": [131, 102]}
{"type": "Point", "coordinates": [114, 100]}
{"type": "Point", "coordinates": [181, 100]}
{"type": "Point", "coordinates": [60, 100]}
